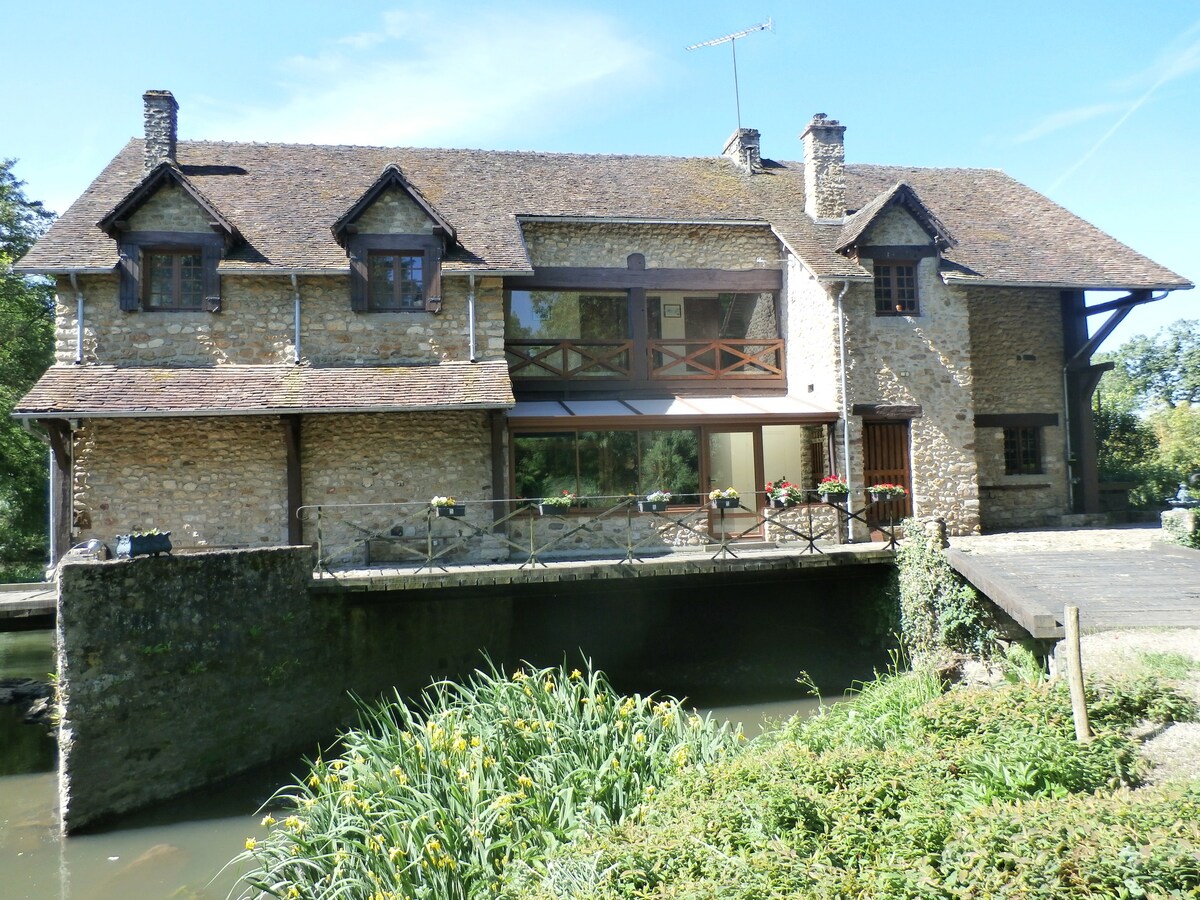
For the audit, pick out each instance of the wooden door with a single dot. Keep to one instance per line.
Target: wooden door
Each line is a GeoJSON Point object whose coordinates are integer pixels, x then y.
{"type": "Point", "coordinates": [886, 459]}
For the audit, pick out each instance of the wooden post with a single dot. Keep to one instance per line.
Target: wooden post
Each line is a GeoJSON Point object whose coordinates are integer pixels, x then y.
{"type": "Point", "coordinates": [1083, 734]}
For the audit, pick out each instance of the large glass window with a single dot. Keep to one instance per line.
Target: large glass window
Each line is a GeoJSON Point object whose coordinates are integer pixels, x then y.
{"type": "Point", "coordinates": [585, 316]}
{"type": "Point", "coordinates": [608, 463]}
{"type": "Point", "coordinates": [720, 335]}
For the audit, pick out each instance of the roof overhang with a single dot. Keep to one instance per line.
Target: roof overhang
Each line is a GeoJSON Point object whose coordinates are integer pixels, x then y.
{"type": "Point", "coordinates": [951, 278]}
{"type": "Point", "coordinates": [123, 392]}
{"type": "Point", "coordinates": [638, 220]}
{"type": "Point", "coordinates": [670, 411]}
{"type": "Point", "coordinates": [116, 220]}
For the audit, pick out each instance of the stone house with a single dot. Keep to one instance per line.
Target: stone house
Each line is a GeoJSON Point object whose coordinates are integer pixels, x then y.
{"type": "Point", "coordinates": [246, 329]}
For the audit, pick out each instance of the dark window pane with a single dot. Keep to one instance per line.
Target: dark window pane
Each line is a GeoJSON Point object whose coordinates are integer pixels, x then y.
{"type": "Point", "coordinates": [395, 281]}
{"type": "Point", "coordinates": [544, 464]}
{"type": "Point", "coordinates": [567, 315]}
{"type": "Point", "coordinates": [670, 461]}
{"type": "Point", "coordinates": [161, 280]}
{"type": "Point", "coordinates": [1022, 451]}
{"type": "Point", "coordinates": [608, 463]}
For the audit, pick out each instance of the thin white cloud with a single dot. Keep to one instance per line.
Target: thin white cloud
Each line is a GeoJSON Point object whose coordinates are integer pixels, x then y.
{"type": "Point", "coordinates": [1067, 118]}
{"type": "Point", "coordinates": [1179, 58]}
{"type": "Point", "coordinates": [441, 80]}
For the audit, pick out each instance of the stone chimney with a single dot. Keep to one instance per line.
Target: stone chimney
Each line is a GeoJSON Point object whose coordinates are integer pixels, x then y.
{"type": "Point", "coordinates": [742, 148]}
{"type": "Point", "coordinates": [824, 169]}
{"type": "Point", "coordinates": [162, 127]}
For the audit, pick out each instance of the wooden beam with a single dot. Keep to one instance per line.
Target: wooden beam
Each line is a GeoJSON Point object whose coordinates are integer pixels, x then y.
{"type": "Point", "coordinates": [887, 410]}
{"type": "Point", "coordinates": [1031, 611]}
{"type": "Point", "coordinates": [615, 279]}
{"type": "Point", "coordinates": [62, 499]}
{"type": "Point", "coordinates": [295, 480]}
{"type": "Point", "coordinates": [1016, 420]}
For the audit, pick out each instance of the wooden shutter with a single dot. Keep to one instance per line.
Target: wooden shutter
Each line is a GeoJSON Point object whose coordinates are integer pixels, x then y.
{"type": "Point", "coordinates": [129, 266]}
{"type": "Point", "coordinates": [358, 275]}
{"type": "Point", "coordinates": [210, 257]}
{"type": "Point", "coordinates": [433, 278]}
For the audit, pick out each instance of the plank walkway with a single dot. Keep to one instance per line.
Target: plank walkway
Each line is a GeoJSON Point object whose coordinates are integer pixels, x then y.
{"type": "Point", "coordinates": [24, 604]}
{"type": "Point", "coordinates": [1152, 586]}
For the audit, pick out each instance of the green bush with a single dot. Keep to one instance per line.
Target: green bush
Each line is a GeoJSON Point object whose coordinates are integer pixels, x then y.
{"type": "Point", "coordinates": [912, 794]}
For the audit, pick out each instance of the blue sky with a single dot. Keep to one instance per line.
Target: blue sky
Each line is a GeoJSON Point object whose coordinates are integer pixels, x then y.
{"type": "Point", "coordinates": [1096, 104]}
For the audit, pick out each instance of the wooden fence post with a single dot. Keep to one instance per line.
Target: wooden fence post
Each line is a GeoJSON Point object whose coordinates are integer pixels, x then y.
{"type": "Point", "coordinates": [1083, 733]}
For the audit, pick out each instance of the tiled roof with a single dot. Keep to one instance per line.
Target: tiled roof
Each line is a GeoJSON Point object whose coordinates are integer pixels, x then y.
{"type": "Point", "coordinates": [248, 390]}
{"type": "Point", "coordinates": [283, 198]}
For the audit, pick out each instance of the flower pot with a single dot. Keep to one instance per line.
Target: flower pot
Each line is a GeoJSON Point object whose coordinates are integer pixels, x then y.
{"type": "Point", "coordinates": [129, 545]}
{"type": "Point", "coordinates": [451, 512]}
{"type": "Point", "coordinates": [652, 506]}
{"type": "Point", "coordinates": [781, 503]}
{"type": "Point", "coordinates": [726, 503]}
{"type": "Point", "coordinates": [550, 509]}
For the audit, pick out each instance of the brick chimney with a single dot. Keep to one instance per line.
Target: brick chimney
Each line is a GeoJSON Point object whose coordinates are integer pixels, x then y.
{"type": "Point", "coordinates": [742, 148]}
{"type": "Point", "coordinates": [162, 127]}
{"type": "Point", "coordinates": [824, 169]}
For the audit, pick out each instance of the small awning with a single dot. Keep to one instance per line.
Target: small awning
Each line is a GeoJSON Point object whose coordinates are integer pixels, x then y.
{"type": "Point", "coordinates": [673, 411]}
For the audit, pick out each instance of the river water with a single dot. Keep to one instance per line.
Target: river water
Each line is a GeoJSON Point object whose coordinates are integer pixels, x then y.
{"type": "Point", "coordinates": [178, 850]}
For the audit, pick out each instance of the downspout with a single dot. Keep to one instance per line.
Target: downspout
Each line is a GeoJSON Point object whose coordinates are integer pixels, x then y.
{"type": "Point", "coordinates": [296, 355]}
{"type": "Point", "coordinates": [845, 406]}
{"type": "Point", "coordinates": [471, 317]}
{"type": "Point", "coordinates": [78, 318]}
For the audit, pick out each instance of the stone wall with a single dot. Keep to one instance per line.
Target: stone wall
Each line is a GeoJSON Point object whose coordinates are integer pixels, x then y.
{"type": "Point", "coordinates": [209, 481]}
{"type": "Point", "coordinates": [170, 209]}
{"type": "Point", "coordinates": [1016, 347]}
{"type": "Point", "coordinates": [394, 212]}
{"type": "Point", "coordinates": [256, 326]}
{"type": "Point", "coordinates": [664, 246]}
{"type": "Point", "coordinates": [399, 461]}
{"type": "Point", "coordinates": [141, 641]}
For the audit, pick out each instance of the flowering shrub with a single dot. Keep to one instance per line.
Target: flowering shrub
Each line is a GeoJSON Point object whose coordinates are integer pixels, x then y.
{"type": "Point", "coordinates": [886, 489]}
{"type": "Point", "coordinates": [443, 501]}
{"type": "Point", "coordinates": [833, 484]}
{"type": "Point", "coordinates": [727, 494]}
{"type": "Point", "coordinates": [566, 498]}
{"type": "Point", "coordinates": [659, 497]}
{"type": "Point", "coordinates": [783, 491]}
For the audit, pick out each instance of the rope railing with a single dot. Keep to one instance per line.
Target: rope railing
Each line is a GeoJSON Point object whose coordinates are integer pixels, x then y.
{"type": "Point", "coordinates": [620, 529]}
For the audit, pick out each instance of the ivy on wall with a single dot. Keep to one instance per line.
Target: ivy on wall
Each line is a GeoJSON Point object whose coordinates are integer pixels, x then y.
{"type": "Point", "coordinates": [940, 614]}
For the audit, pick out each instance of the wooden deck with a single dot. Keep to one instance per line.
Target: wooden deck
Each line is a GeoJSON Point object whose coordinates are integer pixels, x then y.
{"type": "Point", "coordinates": [24, 606]}
{"type": "Point", "coordinates": [1154, 587]}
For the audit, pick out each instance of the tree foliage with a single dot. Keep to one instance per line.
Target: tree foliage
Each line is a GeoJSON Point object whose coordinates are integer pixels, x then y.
{"type": "Point", "coordinates": [1147, 412]}
{"type": "Point", "coordinates": [26, 349]}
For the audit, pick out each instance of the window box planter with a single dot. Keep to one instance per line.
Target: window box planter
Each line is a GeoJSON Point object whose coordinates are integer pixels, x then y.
{"type": "Point", "coordinates": [652, 506]}
{"type": "Point", "coordinates": [726, 503]}
{"type": "Point", "coordinates": [130, 545]}
{"type": "Point", "coordinates": [782, 503]}
{"type": "Point", "coordinates": [456, 511]}
{"type": "Point", "coordinates": [552, 509]}
{"type": "Point", "coordinates": [835, 499]}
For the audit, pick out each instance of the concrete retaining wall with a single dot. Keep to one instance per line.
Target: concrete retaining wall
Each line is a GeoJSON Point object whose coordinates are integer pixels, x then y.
{"type": "Point", "coordinates": [177, 672]}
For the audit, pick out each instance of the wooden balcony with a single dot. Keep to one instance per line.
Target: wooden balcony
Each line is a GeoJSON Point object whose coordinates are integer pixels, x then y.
{"type": "Point", "coordinates": [662, 364]}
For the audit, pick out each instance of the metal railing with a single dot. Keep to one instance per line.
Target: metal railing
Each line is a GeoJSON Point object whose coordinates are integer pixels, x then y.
{"type": "Point", "coordinates": [617, 529]}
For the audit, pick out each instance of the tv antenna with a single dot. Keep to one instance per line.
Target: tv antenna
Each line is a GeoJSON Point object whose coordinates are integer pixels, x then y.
{"type": "Point", "coordinates": [732, 40]}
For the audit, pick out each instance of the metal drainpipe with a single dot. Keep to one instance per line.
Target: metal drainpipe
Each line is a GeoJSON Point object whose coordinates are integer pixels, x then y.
{"type": "Point", "coordinates": [471, 316]}
{"type": "Point", "coordinates": [78, 318]}
{"type": "Point", "coordinates": [295, 319]}
{"type": "Point", "coordinates": [845, 408]}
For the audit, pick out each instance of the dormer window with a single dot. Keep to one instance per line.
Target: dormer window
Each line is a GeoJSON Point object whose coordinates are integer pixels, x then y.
{"type": "Point", "coordinates": [173, 278]}
{"type": "Point", "coordinates": [396, 280]}
{"type": "Point", "coordinates": [395, 273]}
{"type": "Point", "coordinates": [896, 288]}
